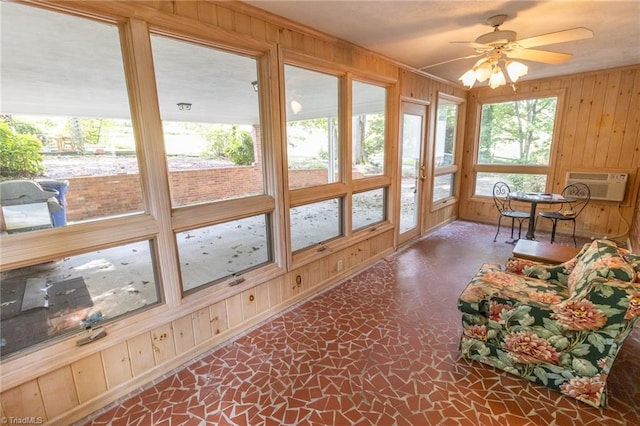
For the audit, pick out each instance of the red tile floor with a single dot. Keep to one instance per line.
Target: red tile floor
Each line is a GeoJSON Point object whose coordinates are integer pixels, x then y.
{"type": "Point", "coordinates": [381, 348]}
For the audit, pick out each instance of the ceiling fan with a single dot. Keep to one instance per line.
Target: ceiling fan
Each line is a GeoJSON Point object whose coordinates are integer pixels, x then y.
{"type": "Point", "coordinates": [499, 48]}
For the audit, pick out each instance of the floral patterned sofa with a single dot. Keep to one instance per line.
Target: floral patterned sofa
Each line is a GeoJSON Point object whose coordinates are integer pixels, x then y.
{"type": "Point", "coordinates": [557, 325]}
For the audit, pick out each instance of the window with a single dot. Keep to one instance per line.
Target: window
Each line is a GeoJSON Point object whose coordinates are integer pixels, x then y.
{"type": "Point", "coordinates": [49, 300]}
{"type": "Point", "coordinates": [315, 223]}
{"type": "Point", "coordinates": [66, 112]}
{"type": "Point", "coordinates": [515, 144]}
{"type": "Point", "coordinates": [368, 208]}
{"type": "Point", "coordinates": [312, 127]}
{"type": "Point", "coordinates": [443, 187]}
{"type": "Point", "coordinates": [211, 122]}
{"type": "Point", "coordinates": [209, 105]}
{"type": "Point", "coordinates": [214, 252]}
{"type": "Point", "coordinates": [368, 124]}
{"type": "Point", "coordinates": [329, 170]}
{"type": "Point", "coordinates": [446, 136]}
{"type": "Point", "coordinates": [72, 140]}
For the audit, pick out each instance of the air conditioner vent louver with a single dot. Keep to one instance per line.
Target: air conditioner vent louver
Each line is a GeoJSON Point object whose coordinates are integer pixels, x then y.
{"type": "Point", "coordinates": [603, 186]}
{"type": "Point", "coordinates": [589, 176]}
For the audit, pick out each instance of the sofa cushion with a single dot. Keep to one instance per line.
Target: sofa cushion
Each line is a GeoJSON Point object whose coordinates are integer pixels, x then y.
{"type": "Point", "coordinates": [601, 259]}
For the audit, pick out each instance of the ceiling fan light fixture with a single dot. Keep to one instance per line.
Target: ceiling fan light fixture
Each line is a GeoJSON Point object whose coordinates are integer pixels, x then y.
{"type": "Point", "coordinates": [468, 78]}
{"type": "Point", "coordinates": [516, 70]}
{"type": "Point", "coordinates": [497, 78]}
{"type": "Point", "coordinates": [483, 72]}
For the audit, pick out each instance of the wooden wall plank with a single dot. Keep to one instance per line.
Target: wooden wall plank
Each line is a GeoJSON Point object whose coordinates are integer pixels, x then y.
{"type": "Point", "coordinates": [188, 9]}
{"type": "Point", "coordinates": [630, 150]}
{"type": "Point", "coordinates": [183, 334]}
{"type": "Point", "coordinates": [585, 155]}
{"type": "Point", "coordinates": [207, 13]}
{"type": "Point", "coordinates": [141, 353]}
{"type": "Point", "coordinates": [262, 298]}
{"type": "Point", "coordinates": [117, 364]}
{"type": "Point", "coordinates": [218, 317]}
{"type": "Point", "coordinates": [23, 401]}
{"type": "Point", "coordinates": [58, 391]}
{"type": "Point", "coordinates": [163, 344]}
{"type": "Point", "coordinates": [249, 308]}
{"type": "Point", "coordinates": [275, 291]}
{"type": "Point", "coordinates": [225, 18]}
{"type": "Point", "coordinates": [596, 121]}
{"type": "Point", "coordinates": [234, 310]}
{"type": "Point", "coordinates": [606, 145]}
{"type": "Point", "coordinates": [201, 325]}
{"type": "Point", "coordinates": [88, 374]}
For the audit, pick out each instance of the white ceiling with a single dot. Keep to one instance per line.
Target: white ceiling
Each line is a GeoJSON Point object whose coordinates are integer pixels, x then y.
{"type": "Point", "coordinates": [68, 66]}
{"type": "Point", "coordinates": [418, 33]}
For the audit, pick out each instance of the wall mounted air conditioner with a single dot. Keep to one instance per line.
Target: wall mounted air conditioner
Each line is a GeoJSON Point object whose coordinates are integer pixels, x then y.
{"type": "Point", "coordinates": [603, 186]}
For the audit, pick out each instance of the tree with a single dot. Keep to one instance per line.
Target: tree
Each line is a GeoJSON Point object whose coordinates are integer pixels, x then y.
{"type": "Point", "coordinates": [368, 137]}
{"type": "Point", "coordinates": [527, 124]}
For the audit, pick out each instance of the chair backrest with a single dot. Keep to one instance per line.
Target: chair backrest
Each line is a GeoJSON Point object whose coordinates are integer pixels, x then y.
{"type": "Point", "coordinates": [501, 196]}
{"type": "Point", "coordinates": [580, 192]}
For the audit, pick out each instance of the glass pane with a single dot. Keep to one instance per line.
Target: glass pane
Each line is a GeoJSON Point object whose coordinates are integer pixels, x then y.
{"type": "Point", "coordinates": [312, 127]}
{"type": "Point", "coordinates": [368, 124]}
{"type": "Point", "coordinates": [517, 132]}
{"type": "Point", "coordinates": [411, 143]}
{"type": "Point", "coordinates": [218, 251]}
{"type": "Point", "coordinates": [443, 187]}
{"type": "Point", "coordinates": [446, 132]}
{"type": "Point", "coordinates": [516, 182]}
{"type": "Point", "coordinates": [315, 223]}
{"type": "Point", "coordinates": [368, 208]}
{"type": "Point", "coordinates": [48, 300]}
{"type": "Point", "coordinates": [210, 112]}
{"type": "Point", "coordinates": [65, 125]}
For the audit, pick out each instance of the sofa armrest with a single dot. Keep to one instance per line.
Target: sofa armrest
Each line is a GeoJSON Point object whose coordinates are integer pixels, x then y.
{"type": "Point", "coordinates": [559, 273]}
{"type": "Point", "coordinates": [619, 300]}
{"type": "Point", "coordinates": [492, 282]}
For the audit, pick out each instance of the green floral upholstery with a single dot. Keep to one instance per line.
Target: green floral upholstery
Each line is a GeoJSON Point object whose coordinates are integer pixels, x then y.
{"type": "Point", "coordinates": [558, 325]}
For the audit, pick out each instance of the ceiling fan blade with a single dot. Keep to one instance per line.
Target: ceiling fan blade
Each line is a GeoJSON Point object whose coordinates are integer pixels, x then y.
{"type": "Point", "coordinates": [540, 56]}
{"type": "Point", "coordinates": [556, 37]}
{"type": "Point", "coordinates": [451, 60]}
{"type": "Point", "coordinates": [478, 46]}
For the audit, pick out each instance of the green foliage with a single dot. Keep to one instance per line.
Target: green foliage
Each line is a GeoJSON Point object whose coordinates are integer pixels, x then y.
{"type": "Point", "coordinates": [218, 137]}
{"type": "Point", "coordinates": [20, 155]}
{"type": "Point", "coordinates": [525, 126]}
{"type": "Point", "coordinates": [240, 150]}
{"type": "Point", "coordinates": [374, 137]}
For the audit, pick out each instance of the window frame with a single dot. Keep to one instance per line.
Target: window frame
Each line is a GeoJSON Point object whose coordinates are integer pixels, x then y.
{"type": "Point", "coordinates": [547, 170]}
{"type": "Point", "coordinates": [453, 168]}
{"type": "Point", "coordinates": [194, 216]}
{"type": "Point", "coordinates": [346, 186]}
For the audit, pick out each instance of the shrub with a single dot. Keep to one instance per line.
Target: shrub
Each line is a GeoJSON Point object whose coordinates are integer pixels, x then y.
{"type": "Point", "coordinates": [20, 155]}
{"type": "Point", "coordinates": [240, 150]}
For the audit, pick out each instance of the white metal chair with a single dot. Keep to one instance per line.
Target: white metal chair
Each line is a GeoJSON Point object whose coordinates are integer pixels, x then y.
{"type": "Point", "coordinates": [501, 199]}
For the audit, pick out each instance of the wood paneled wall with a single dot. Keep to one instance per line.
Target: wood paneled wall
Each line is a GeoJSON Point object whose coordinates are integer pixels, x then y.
{"type": "Point", "coordinates": [634, 236]}
{"type": "Point", "coordinates": [599, 130]}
